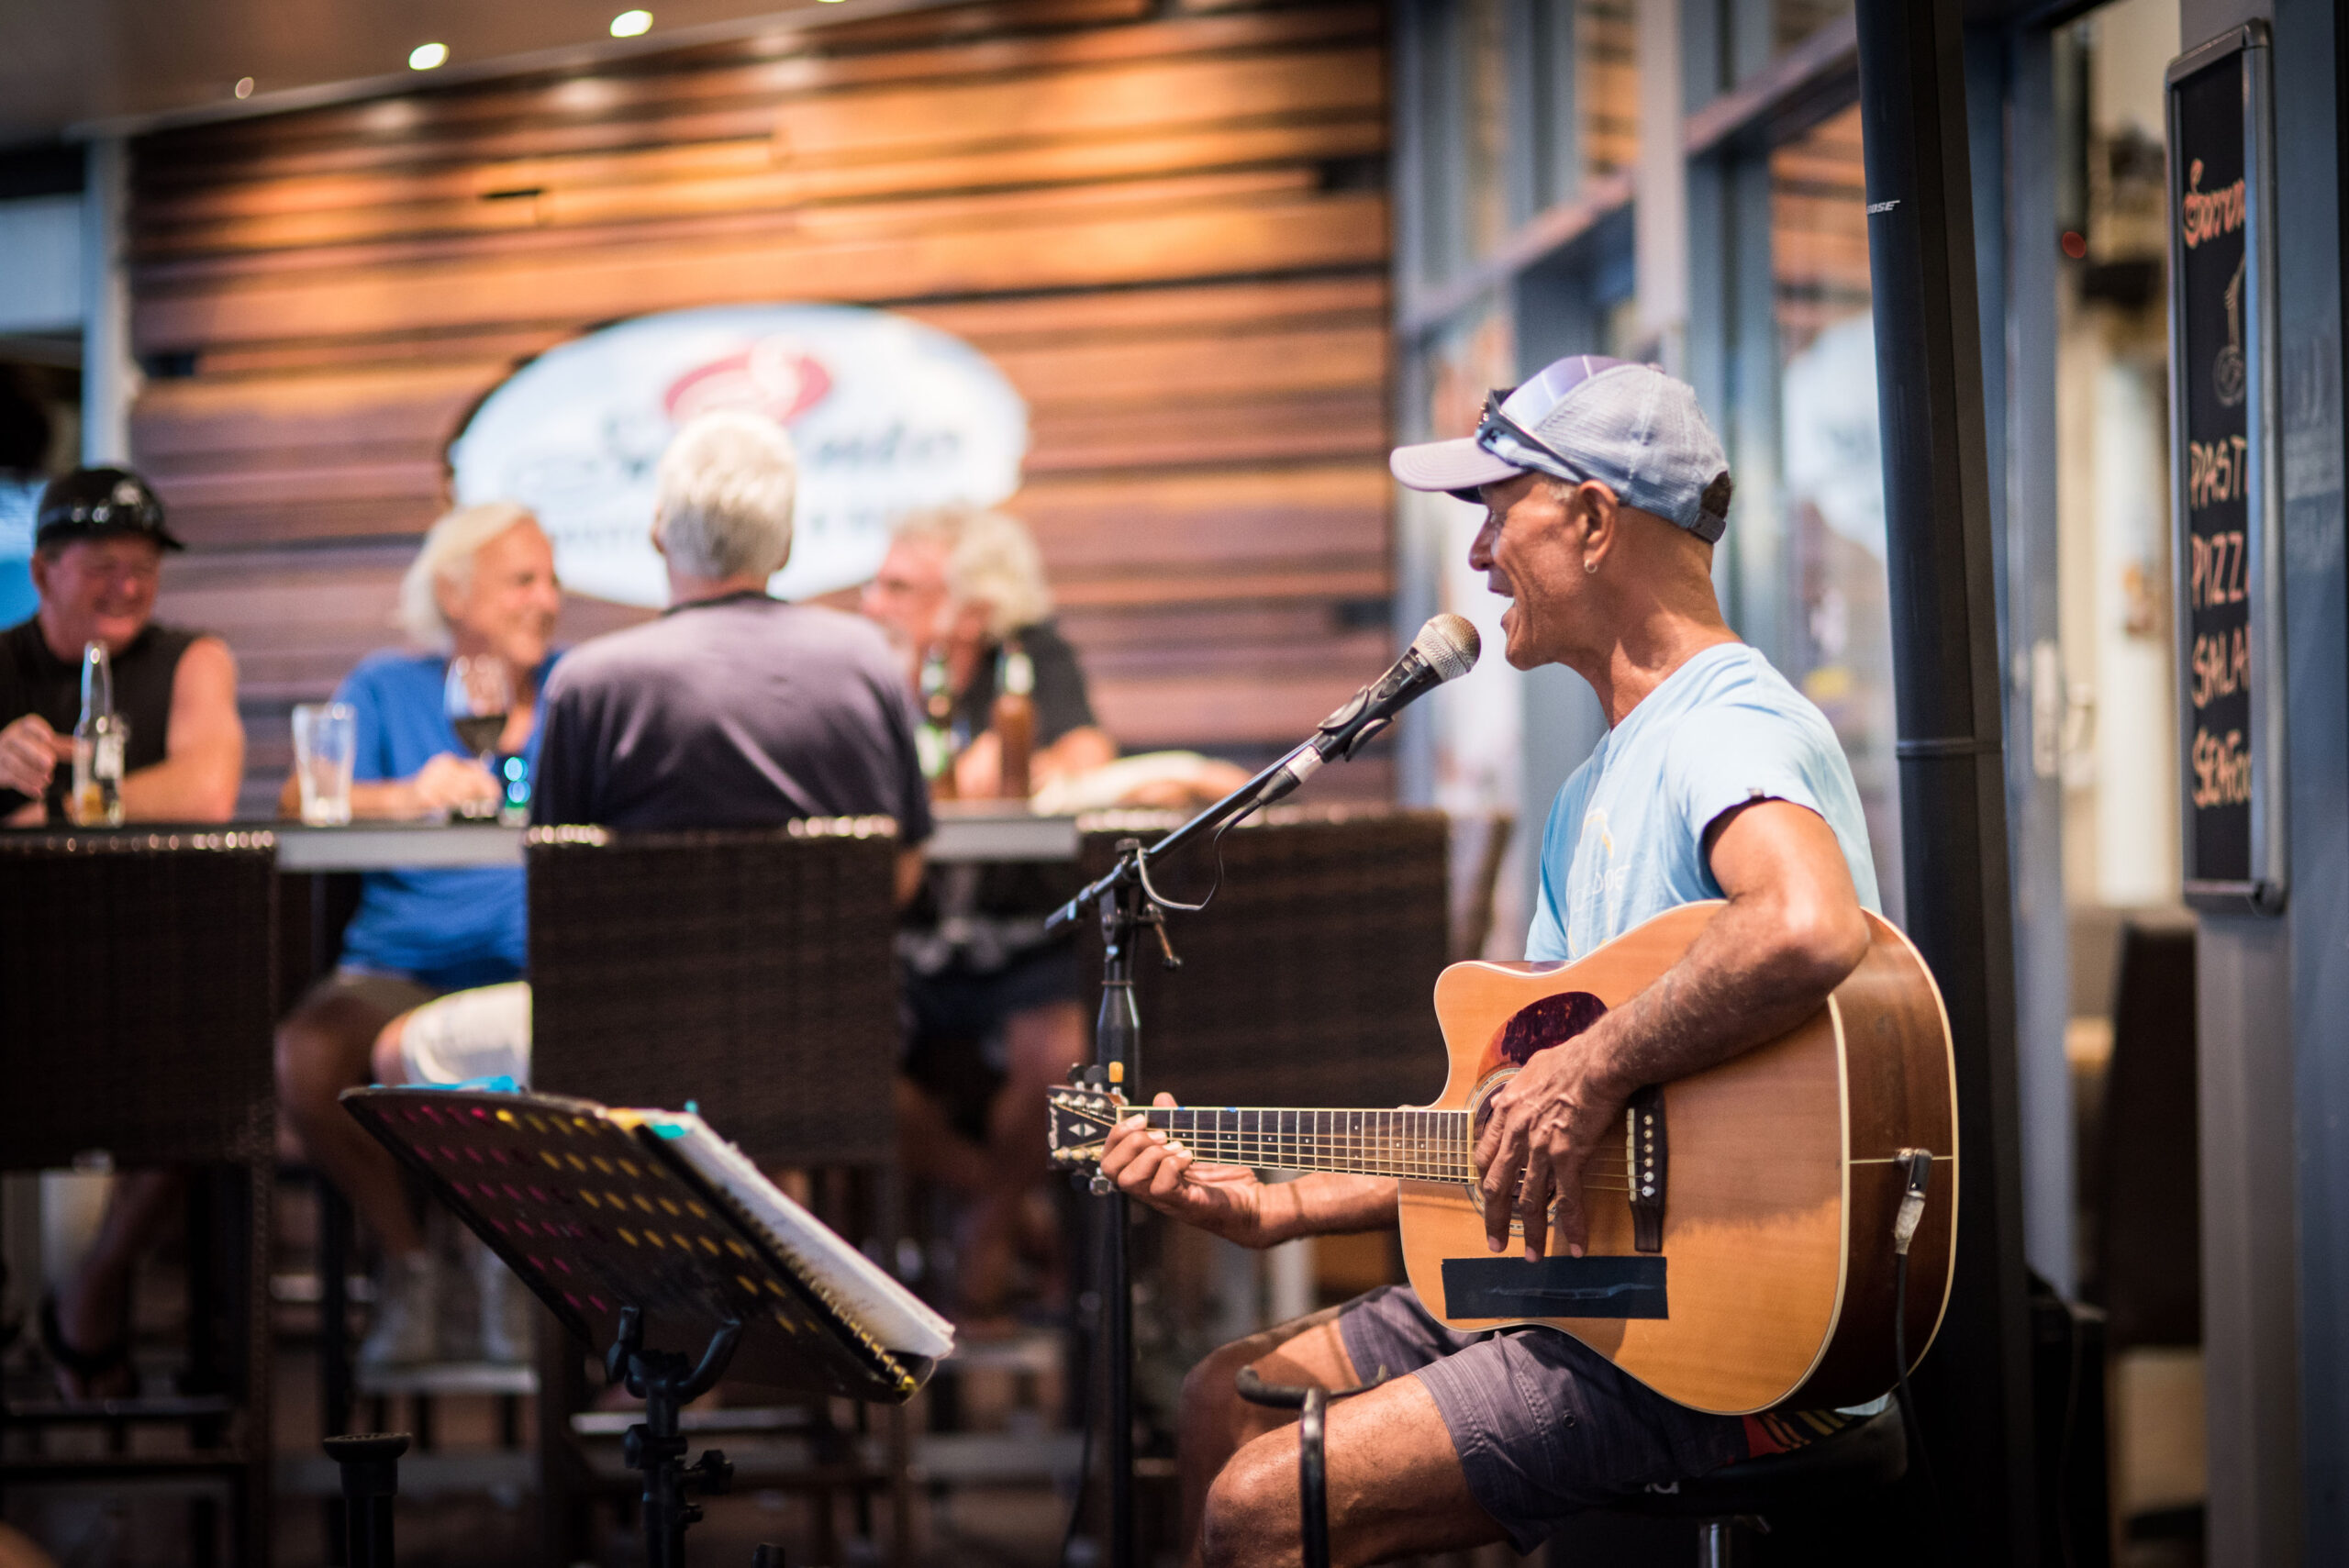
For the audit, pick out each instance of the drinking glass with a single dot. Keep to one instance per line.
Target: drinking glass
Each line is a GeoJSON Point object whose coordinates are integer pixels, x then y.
{"type": "Point", "coordinates": [325, 743]}
{"type": "Point", "coordinates": [479, 696]}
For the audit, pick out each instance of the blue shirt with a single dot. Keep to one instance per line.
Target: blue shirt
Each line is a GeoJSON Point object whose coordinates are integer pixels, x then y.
{"type": "Point", "coordinates": [1625, 840]}
{"type": "Point", "coordinates": [18, 498]}
{"type": "Point", "coordinates": [447, 929]}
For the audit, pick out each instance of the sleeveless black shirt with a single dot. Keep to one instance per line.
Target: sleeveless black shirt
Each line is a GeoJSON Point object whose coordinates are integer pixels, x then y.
{"type": "Point", "coordinates": [34, 680]}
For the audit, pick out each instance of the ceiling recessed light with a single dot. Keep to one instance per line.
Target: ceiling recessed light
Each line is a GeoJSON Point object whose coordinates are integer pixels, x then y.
{"type": "Point", "coordinates": [244, 86]}
{"type": "Point", "coordinates": [428, 56]}
{"type": "Point", "coordinates": [631, 23]}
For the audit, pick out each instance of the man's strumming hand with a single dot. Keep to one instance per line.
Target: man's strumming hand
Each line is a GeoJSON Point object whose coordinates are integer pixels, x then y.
{"type": "Point", "coordinates": [1545, 1124]}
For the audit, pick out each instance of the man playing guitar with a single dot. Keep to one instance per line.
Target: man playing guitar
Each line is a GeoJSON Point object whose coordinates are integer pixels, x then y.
{"type": "Point", "coordinates": [1605, 492]}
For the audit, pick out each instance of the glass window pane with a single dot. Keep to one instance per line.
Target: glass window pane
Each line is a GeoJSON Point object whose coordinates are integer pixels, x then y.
{"type": "Point", "coordinates": [1837, 643]}
{"type": "Point", "coordinates": [1607, 80]}
{"type": "Point", "coordinates": [1484, 137]}
{"type": "Point", "coordinates": [2120, 845]}
{"type": "Point", "coordinates": [1791, 21]}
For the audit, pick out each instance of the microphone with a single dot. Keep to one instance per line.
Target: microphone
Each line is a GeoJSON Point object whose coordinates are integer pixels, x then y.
{"type": "Point", "coordinates": [1445, 649]}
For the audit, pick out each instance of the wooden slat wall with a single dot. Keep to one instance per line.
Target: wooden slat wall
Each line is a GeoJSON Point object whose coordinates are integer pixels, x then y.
{"type": "Point", "coordinates": [1166, 224]}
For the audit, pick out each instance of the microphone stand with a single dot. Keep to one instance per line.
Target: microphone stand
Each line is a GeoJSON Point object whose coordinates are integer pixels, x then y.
{"type": "Point", "coordinates": [1126, 903]}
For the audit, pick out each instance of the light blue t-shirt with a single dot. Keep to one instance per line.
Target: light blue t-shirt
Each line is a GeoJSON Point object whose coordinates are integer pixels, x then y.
{"type": "Point", "coordinates": [455, 929]}
{"type": "Point", "coordinates": [1625, 840]}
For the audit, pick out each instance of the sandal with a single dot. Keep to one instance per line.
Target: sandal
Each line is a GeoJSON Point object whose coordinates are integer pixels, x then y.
{"type": "Point", "coordinates": [80, 1371]}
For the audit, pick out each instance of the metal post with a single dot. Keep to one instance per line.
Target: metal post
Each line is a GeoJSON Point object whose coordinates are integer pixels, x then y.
{"type": "Point", "coordinates": [371, 1479]}
{"type": "Point", "coordinates": [334, 1336]}
{"type": "Point", "coordinates": [665, 1381]}
{"type": "Point", "coordinates": [1116, 1053]}
{"type": "Point", "coordinates": [109, 373]}
{"type": "Point", "coordinates": [1975, 1390]}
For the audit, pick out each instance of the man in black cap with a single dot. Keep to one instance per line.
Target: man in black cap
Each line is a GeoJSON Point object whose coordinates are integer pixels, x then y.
{"type": "Point", "coordinates": [98, 543]}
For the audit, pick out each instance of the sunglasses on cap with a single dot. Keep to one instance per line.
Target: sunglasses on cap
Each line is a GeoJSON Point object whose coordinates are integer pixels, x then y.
{"type": "Point", "coordinates": [1495, 421]}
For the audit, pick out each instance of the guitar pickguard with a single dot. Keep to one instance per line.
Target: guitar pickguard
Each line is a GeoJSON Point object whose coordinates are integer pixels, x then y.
{"type": "Point", "coordinates": [1539, 1025]}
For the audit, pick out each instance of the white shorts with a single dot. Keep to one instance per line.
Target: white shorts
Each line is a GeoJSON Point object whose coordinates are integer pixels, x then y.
{"type": "Point", "coordinates": [483, 1033]}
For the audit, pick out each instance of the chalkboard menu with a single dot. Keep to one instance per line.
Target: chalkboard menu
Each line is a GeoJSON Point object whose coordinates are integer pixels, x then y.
{"type": "Point", "coordinates": [2224, 472]}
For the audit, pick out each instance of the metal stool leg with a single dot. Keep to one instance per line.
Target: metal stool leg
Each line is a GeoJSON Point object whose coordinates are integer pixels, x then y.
{"type": "Point", "coordinates": [371, 1479]}
{"type": "Point", "coordinates": [1714, 1543]}
{"type": "Point", "coordinates": [1313, 1472]}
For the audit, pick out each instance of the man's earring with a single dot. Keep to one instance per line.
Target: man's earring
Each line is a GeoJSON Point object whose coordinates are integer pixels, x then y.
{"type": "Point", "coordinates": [1589, 565]}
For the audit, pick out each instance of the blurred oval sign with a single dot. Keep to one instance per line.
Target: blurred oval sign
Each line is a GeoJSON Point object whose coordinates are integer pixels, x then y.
{"type": "Point", "coordinates": [889, 414]}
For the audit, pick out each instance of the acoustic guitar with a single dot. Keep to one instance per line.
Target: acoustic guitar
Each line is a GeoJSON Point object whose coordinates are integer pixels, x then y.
{"type": "Point", "coordinates": [1740, 1251]}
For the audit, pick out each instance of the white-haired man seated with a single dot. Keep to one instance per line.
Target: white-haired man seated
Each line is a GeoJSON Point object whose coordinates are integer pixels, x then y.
{"type": "Point", "coordinates": [732, 711]}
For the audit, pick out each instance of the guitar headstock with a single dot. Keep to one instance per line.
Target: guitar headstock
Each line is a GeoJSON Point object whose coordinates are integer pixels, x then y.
{"type": "Point", "coordinates": [1079, 1121]}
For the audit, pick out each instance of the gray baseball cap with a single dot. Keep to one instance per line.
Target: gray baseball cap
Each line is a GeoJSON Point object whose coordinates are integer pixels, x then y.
{"type": "Point", "coordinates": [1631, 427]}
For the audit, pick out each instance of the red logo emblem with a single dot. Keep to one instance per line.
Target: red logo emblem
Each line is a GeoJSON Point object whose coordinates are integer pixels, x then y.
{"type": "Point", "coordinates": [774, 376]}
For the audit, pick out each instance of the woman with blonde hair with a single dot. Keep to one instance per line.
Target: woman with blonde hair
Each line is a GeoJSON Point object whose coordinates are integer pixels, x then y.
{"type": "Point", "coordinates": [483, 585]}
{"type": "Point", "coordinates": [967, 585]}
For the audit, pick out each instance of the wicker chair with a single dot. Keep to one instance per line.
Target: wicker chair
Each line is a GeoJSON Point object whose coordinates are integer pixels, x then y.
{"type": "Point", "coordinates": [752, 972]}
{"type": "Point", "coordinates": [139, 977]}
{"type": "Point", "coordinates": [1308, 981]}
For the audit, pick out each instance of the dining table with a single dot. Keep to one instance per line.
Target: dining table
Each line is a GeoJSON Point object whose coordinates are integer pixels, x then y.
{"type": "Point", "coordinates": [963, 832]}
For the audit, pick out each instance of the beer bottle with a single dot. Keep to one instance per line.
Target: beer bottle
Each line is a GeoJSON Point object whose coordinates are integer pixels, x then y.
{"type": "Point", "coordinates": [100, 740]}
{"type": "Point", "coordinates": [935, 742]}
{"type": "Point", "coordinates": [1014, 720]}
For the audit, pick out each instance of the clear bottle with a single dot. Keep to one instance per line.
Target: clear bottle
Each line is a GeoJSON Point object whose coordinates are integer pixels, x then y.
{"type": "Point", "coordinates": [936, 739]}
{"type": "Point", "coordinates": [1014, 720]}
{"type": "Point", "coordinates": [100, 740]}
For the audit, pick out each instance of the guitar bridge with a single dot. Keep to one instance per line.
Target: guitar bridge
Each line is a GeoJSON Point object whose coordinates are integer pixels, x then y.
{"type": "Point", "coordinates": [1645, 1162]}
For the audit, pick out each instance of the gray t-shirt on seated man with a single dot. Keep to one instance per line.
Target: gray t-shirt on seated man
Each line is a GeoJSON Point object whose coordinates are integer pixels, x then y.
{"type": "Point", "coordinates": [738, 712]}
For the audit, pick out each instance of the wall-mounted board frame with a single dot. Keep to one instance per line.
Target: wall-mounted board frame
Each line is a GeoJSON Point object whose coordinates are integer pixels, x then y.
{"type": "Point", "coordinates": [2226, 491]}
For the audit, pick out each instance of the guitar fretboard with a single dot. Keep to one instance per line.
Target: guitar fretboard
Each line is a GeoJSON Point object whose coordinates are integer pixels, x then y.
{"type": "Point", "coordinates": [1428, 1146]}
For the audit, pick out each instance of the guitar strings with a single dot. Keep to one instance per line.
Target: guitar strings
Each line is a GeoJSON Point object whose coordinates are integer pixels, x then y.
{"type": "Point", "coordinates": [1363, 1143]}
{"type": "Point", "coordinates": [1269, 1154]}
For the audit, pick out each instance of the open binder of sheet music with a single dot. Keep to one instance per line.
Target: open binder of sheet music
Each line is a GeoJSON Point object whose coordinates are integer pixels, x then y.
{"type": "Point", "coordinates": [598, 1210]}
{"type": "Point", "coordinates": [892, 1314]}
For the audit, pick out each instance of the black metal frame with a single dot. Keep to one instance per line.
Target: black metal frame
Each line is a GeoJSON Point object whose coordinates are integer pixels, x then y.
{"type": "Point", "coordinates": [1312, 1460]}
{"type": "Point", "coordinates": [665, 1380]}
{"type": "Point", "coordinates": [1950, 698]}
{"type": "Point", "coordinates": [2263, 890]}
{"type": "Point", "coordinates": [370, 1462]}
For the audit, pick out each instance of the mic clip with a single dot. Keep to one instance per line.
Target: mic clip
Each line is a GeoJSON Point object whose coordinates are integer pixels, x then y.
{"type": "Point", "coordinates": [1339, 744]}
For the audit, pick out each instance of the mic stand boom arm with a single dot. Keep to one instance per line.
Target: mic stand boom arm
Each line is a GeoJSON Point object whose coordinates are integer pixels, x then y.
{"type": "Point", "coordinates": [1134, 865]}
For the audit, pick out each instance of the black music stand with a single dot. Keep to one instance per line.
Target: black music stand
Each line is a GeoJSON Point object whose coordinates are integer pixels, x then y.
{"type": "Point", "coordinates": [641, 1257]}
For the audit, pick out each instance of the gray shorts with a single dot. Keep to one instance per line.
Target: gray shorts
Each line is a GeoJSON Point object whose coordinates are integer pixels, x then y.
{"type": "Point", "coordinates": [467, 1035]}
{"type": "Point", "coordinates": [1545, 1428]}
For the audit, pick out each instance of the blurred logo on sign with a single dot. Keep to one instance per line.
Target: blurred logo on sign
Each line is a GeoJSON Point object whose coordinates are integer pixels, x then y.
{"type": "Point", "coordinates": [889, 414]}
